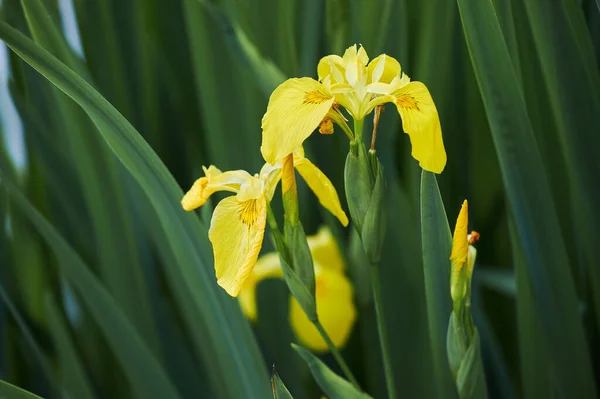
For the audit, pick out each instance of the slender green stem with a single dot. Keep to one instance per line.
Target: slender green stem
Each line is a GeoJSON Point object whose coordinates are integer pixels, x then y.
{"type": "Point", "coordinates": [336, 353]}
{"type": "Point", "coordinates": [383, 341]}
{"type": "Point", "coordinates": [358, 128]}
{"type": "Point", "coordinates": [281, 247]}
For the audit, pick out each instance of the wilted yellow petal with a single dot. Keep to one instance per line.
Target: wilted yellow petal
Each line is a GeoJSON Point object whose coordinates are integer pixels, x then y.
{"type": "Point", "coordinates": [325, 251]}
{"type": "Point", "coordinates": [322, 187]}
{"type": "Point", "coordinates": [267, 266]}
{"type": "Point", "coordinates": [214, 181]}
{"type": "Point", "coordinates": [421, 122]}
{"type": "Point", "coordinates": [383, 69]}
{"type": "Point", "coordinates": [460, 244]}
{"type": "Point", "coordinates": [236, 232]}
{"type": "Point", "coordinates": [335, 309]}
{"type": "Point", "coordinates": [295, 110]}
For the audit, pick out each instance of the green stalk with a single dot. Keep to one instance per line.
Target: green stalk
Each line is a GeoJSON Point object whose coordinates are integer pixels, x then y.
{"type": "Point", "coordinates": [383, 340]}
{"type": "Point", "coordinates": [282, 249]}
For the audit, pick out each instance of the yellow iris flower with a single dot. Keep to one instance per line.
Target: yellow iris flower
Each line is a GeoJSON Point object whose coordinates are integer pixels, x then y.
{"type": "Point", "coordinates": [334, 293]}
{"type": "Point", "coordinates": [238, 222]}
{"type": "Point", "coordinates": [299, 105]}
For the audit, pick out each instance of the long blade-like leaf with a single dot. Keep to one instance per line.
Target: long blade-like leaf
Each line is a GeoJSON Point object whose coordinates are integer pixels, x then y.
{"type": "Point", "coordinates": [8, 391]}
{"type": "Point", "coordinates": [529, 198]}
{"type": "Point", "coordinates": [436, 242]}
{"type": "Point", "coordinates": [228, 346]}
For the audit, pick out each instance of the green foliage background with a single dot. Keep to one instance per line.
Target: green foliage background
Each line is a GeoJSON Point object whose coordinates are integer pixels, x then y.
{"type": "Point", "coordinates": [107, 285]}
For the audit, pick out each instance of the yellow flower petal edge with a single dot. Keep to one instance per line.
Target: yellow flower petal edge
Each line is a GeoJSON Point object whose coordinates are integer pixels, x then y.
{"type": "Point", "coordinates": [325, 251]}
{"type": "Point", "coordinates": [236, 232]}
{"type": "Point", "coordinates": [267, 266]}
{"type": "Point", "coordinates": [322, 187]}
{"type": "Point", "coordinates": [213, 181]}
{"type": "Point", "coordinates": [295, 110]}
{"type": "Point", "coordinates": [421, 122]}
{"type": "Point", "coordinates": [335, 309]}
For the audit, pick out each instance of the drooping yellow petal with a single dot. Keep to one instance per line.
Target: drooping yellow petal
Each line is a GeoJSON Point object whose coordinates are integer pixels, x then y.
{"type": "Point", "coordinates": [325, 251]}
{"type": "Point", "coordinates": [421, 122]}
{"type": "Point", "coordinates": [295, 110]}
{"type": "Point", "coordinates": [335, 309]}
{"type": "Point", "coordinates": [236, 232]}
{"type": "Point", "coordinates": [267, 266]}
{"type": "Point", "coordinates": [460, 243]}
{"type": "Point", "coordinates": [213, 181]}
{"type": "Point", "coordinates": [383, 69]}
{"type": "Point", "coordinates": [322, 187]}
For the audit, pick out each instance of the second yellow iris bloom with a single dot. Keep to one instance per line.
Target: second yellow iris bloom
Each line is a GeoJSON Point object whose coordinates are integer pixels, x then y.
{"type": "Point", "coordinates": [334, 293]}
{"type": "Point", "coordinates": [299, 105]}
{"type": "Point", "coordinates": [238, 222]}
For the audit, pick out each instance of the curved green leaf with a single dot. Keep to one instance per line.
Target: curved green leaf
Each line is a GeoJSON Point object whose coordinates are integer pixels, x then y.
{"type": "Point", "coordinates": [8, 391]}
{"type": "Point", "coordinates": [436, 241]}
{"type": "Point", "coordinates": [530, 199]}
{"type": "Point", "coordinates": [221, 334]}
{"type": "Point", "coordinates": [334, 386]}
{"type": "Point", "coordinates": [145, 374]}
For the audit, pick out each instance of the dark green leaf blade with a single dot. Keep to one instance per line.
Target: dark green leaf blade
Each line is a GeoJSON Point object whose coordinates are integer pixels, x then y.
{"type": "Point", "coordinates": [8, 391]}
{"type": "Point", "coordinates": [334, 386]}
{"type": "Point", "coordinates": [529, 198]}
{"type": "Point", "coordinates": [225, 342]}
{"type": "Point", "coordinates": [436, 242]}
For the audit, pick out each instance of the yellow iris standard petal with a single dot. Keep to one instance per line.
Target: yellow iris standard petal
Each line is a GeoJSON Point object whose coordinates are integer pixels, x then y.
{"type": "Point", "coordinates": [295, 110]}
{"type": "Point", "coordinates": [335, 309]}
{"type": "Point", "coordinates": [322, 187]}
{"type": "Point", "coordinates": [325, 251]}
{"type": "Point", "coordinates": [383, 69]}
{"type": "Point", "coordinates": [236, 232]}
{"type": "Point", "coordinates": [267, 266]}
{"type": "Point", "coordinates": [421, 122]}
{"type": "Point", "coordinates": [331, 65]}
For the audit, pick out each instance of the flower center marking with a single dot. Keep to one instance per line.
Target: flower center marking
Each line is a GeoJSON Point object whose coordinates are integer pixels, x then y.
{"type": "Point", "coordinates": [315, 97]}
{"type": "Point", "coordinates": [407, 102]}
{"type": "Point", "coordinates": [249, 212]}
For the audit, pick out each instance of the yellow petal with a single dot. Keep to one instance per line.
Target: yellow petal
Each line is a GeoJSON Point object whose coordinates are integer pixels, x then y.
{"type": "Point", "coordinates": [383, 69]}
{"type": "Point", "coordinates": [335, 309]}
{"type": "Point", "coordinates": [331, 65]}
{"type": "Point", "coordinates": [215, 180]}
{"type": "Point", "coordinates": [322, 187]}
{"type": "Point", "coordinates": [267, 266]}
{"type": "Point", "coordinates": [325, 251]}
{"type": "Point", "coordinates": [295, 110]}
{"type": "Point", "coordinates": [355, 62]}
{"type": "Point", "coordinates": [460, 243]}
{"type": "Point", "coordinates": [421, 122]}
{"type": "Point", "coordinates": [236, 232]}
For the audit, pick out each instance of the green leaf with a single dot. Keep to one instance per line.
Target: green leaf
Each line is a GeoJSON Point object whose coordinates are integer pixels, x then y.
{"type": "Point", "coordinates": [221, 334]}
{"type": "Point", "coordinates": [436, 242]}
{"type": "Point", "coordinates": [8, 391]}
{"type": "Point", "coordinates": [145, 374]}
{"type": "Point", "coordinates": [279, 389]}
{"type": "Point", "coordinates": [102, 184]}
{"type": "Point", "coordinates": [72, 372]}
{"type": "Point", "coordinates": [575, 101]}
{"type": "Point", "coordinates": [530, 199]}
{"type": "Point", "coordinates": [334, 386]}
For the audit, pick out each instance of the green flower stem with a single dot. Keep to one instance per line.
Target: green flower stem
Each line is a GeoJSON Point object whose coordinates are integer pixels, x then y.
{"type": "Point", "coordinates": [383, 341]}
{"type": "Point", "coordinates": [358, 128]}
{"type": "Point", "coordinates": [337, 355]}
{"type": "Point", "coordinates": [282, 249]}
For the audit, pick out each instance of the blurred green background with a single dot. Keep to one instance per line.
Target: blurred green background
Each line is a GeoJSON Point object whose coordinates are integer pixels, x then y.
{"type": "Point", "coordinates": [107, 286]}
